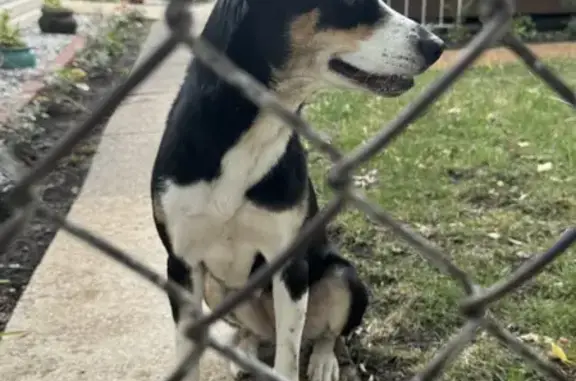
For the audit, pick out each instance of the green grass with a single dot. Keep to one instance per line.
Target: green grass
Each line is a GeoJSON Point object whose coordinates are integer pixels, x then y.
{"type": "Point", "coordinates": [467, 176]}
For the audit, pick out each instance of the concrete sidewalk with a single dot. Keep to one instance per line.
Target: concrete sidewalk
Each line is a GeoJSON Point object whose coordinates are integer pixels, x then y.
{"type": "Point", "coordinates": [86, 317]}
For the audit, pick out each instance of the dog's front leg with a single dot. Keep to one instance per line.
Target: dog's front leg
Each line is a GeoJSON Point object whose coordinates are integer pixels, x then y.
{"type": "Point", "coordinates": [185, 346]}
{"type": "Point", "coordinates": [290, 294]}
{"type": "Point", "coordinates": [186, 267]}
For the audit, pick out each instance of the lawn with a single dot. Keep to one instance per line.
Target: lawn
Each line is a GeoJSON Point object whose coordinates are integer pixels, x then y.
{"type": "Point", "coordinates": [489, 175]}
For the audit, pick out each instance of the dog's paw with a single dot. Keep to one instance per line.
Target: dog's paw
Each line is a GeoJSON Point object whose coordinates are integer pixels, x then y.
{"type": "Point", "coordinates": [323, 365]}
{"type": "Point", "coordinates": [237, 372]}
{"type": "Point", "coordinates": [250, 348]}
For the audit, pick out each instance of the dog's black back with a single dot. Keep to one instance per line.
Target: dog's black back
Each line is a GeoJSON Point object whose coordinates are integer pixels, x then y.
{"type": "Point", "coordinates": [207, 119]}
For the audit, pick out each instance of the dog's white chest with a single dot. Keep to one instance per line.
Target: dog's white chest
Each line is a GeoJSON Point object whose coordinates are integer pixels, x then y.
{"type": "Point", "coordinates": [213, 222]}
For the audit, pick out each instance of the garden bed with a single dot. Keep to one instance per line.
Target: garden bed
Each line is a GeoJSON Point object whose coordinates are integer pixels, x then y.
{"type": "Point", "coordinates": [46, 48]}
{"type": "Point", "coordinates": [66, 101]}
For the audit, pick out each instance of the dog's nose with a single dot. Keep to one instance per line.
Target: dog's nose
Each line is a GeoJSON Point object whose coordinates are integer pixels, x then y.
{"type": "Point", "coordinates": [431, 48]}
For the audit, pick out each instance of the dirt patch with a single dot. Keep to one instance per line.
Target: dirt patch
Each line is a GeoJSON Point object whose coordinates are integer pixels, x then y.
{"type": "Point", "coordinates": [60, 188]}
{"type": "Point", "coordinates": [502, 55]}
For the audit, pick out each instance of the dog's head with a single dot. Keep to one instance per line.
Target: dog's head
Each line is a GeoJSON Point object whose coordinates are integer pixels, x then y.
{"type": "Point", "coordinates": [360, 44]}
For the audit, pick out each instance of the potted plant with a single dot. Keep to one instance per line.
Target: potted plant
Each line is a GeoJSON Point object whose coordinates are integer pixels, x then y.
{"type": "Point", "coordinates": [56, 18]}
{"type": "Point", "coordinates": [14, 52]}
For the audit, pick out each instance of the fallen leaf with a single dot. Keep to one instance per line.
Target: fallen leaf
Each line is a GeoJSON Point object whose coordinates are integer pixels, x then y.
{"type": "Point", "coordinates": [83, 86]}
{"type": "Point", "coordinates": [515, 241]}
{"type": "Point", "coordinates": [426, 231]}
{"type": "Point", "coordinates": [523, 255]}
{"type": "Point", "coordinates": [491, 117]}
{"type": "Point", "coordinates": [494, 235]}
{"type": "Point", "coordinates": [12, 333]}
{"type": "Point", "coordinates": [531, 338]}
{"type": "Point", "coordinates": [544, 167]}
{"type": "Point", "coordinates": [557, 352]}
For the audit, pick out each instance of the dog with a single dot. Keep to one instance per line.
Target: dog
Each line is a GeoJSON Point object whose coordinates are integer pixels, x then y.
{"type": "Point", "coordinates": [230, 187]}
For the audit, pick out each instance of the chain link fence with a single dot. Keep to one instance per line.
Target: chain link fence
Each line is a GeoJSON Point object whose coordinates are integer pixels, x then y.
{"type": "Point", "coordinates": [23, 202]}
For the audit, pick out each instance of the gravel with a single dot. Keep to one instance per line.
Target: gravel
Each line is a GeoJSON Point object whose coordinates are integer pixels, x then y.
{"type": "Point", "coordinates": [46, 48]}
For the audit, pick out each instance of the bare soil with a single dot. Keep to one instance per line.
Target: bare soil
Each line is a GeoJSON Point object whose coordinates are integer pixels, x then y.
{"type": "Point", "coordinates": [503, 55]}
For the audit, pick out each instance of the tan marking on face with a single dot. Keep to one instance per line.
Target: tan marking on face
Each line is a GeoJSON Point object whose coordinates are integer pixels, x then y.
{"type": "Point", "coordinates": [310, 51]}
{"type": "Point", "coordinates": [305, 37]}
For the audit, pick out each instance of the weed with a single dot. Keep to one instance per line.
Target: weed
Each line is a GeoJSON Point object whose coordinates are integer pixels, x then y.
{"type": "Point", "coordinates": [57, 4]}
{"type": "Point", "coordinates": [109, 42]}
{"type": "Point", "coordinates": [10, 36]}
{"type": "Point", "coordinates": [524, 27]}
{"type": "Point", "coordinates": [459, 34]}
{"type": "Point", "coordinates": [571, 27]}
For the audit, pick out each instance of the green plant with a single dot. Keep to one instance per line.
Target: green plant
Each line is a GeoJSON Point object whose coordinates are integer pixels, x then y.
{"type": "Point", "coordinates": [53, 3]}
{"type": "Point", "coordinates": [111, 39]}
{"type": "Point", "coordinates": [10, 36]}
{"type": "Point", "coordinates": [71, 74]}
{"type": "Point", "coordinates": [459, 34]}
{"type": "Point", "coordinates": [571, 27]}
{"type": "Point", "coordinates": [63, 86]}
{"type": "Point", "coordinates": [524, 27]}
{"type": "Point", "coordinates": [67, 80]}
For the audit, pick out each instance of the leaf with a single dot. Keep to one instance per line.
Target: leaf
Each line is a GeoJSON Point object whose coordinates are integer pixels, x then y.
{"type": "Point", "coordinates": [544, 167]}
{"type": "Point", "coordinates": [83, 86]}
{"type": "Point", "coordinates": [494, 235]}
{"type": "Point", "coordinates": [558, 353]}
{"type": "Point", "coordinates": [531, 338]}
{"type": "Point", "coordinates": [12, 333]}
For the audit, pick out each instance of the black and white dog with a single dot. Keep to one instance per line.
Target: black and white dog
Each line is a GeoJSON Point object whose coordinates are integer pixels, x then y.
{"type": "Point", "coordinates": [230, 184]}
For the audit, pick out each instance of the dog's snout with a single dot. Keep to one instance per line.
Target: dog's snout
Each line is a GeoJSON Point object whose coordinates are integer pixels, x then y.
{"type": "Point", "coordinates": [431, 48]}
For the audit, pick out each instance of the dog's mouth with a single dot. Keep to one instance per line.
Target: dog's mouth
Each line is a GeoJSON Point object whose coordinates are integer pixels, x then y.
{"type": "Point", "coordinates": [385, 85]}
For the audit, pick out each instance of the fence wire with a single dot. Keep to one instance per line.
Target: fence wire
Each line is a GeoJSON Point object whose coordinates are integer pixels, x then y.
{"type": "Point", "coordinates": [475, 306]}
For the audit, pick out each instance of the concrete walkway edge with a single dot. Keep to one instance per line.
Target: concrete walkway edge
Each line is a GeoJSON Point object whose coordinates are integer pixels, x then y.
{"type": "Point", "coordinates": [84, 316]}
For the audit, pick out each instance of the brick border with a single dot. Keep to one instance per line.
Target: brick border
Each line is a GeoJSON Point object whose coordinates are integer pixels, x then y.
{"type": "Point", "coordinates": [31, 87]}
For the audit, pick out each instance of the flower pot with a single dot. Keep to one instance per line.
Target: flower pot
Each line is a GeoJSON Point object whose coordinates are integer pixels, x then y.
{"type": "Point", "coordinates": [17, 58]}
{"type": "Point", "coordinates": [57, 21]}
